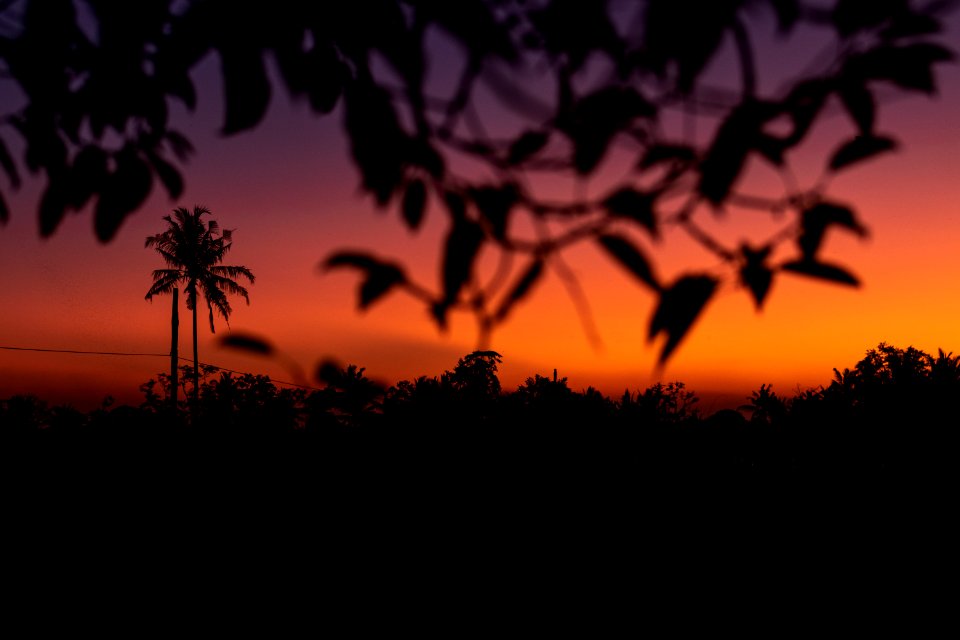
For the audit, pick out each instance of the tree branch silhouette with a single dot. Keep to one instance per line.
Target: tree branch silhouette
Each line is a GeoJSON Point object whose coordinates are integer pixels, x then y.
{"type": "Point", "coordinates": [585, 85]}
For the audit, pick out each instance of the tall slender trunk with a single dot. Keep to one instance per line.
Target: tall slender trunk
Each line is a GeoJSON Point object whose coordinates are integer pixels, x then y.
{"type": "Point", "coordinates": [196, 361]}
{"type": "Point", "coordinates": [174, 354]}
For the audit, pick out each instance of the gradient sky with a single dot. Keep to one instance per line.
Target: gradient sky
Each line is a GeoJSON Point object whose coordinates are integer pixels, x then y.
{"type": "Point", "coordinates": [291, 193]}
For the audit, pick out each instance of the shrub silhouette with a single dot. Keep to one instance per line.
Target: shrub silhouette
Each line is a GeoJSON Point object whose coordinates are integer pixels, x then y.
{"type": "Point", "coordinates": [891, 417]}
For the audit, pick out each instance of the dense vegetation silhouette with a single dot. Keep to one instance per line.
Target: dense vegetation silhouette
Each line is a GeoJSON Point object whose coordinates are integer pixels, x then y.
{"type": "Point", "coordinates": [894, 412]}
{"type": "Point", "coordinates": [580, 85]}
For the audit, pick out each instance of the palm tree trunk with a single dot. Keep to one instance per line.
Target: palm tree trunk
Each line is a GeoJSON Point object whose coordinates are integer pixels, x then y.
{"type": "Point", "coordinates": [174, 353]}
{"type": "Point", "coordinates": [196, 362]}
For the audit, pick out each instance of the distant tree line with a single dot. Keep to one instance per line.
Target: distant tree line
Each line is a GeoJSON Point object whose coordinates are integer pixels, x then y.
{"type": "Point", "coordinates": [895, 410]}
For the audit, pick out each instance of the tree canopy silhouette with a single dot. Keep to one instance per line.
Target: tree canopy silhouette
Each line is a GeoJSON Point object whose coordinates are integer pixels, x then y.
{"type": "Point", "coordinates": [583, 83]}
{"type": "Point", "coordinates": [193, 250]}
{"type": "Point", "coordinates": [892, 417]}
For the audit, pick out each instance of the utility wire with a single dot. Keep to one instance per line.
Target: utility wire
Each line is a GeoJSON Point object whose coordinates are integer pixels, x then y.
{"type": "Point", "coordinates": [99, 353]}
{"type": "Point", "coordinates": [219, 368]}
{"type": "Point", "coordinates": [159, 355]}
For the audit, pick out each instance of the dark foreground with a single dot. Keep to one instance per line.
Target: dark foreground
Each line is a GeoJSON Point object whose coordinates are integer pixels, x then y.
{"type": "Point", "coordinates": [476, 505]}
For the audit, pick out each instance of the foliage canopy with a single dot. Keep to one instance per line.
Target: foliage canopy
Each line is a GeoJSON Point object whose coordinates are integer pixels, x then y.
{"type": "Point", "coordinates": [582, 82]}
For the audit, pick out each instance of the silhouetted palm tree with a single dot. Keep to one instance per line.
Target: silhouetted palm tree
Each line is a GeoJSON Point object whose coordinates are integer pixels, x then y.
{"type": "Point", "coordinates": [193, 251]}
{"type": "Point", "coordinates": [945, 368]}
{"type": "Point", "coordinates": [766, 407]}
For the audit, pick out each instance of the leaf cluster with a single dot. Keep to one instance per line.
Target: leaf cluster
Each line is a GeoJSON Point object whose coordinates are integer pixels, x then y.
{"type": "Point", "coordinates": [586, 84]}
{"type": "Point", "coordinates": [193, 249]}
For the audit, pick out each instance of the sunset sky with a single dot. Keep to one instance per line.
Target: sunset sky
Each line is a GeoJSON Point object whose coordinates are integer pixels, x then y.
{"type": "Point", "coordinates": [289, 190]}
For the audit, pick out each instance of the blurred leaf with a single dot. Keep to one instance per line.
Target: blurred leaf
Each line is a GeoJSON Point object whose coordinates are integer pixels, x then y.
{"type": "Point", "coordinates": [911, 24]}
{"type": "Point", "coordinates": [373, 25]}
{"type": "Point", "coordinates": [421, 153]}
{"type": "Point", "coordinates": [755, 274]}
{"type": "Point", "coordinates": [247, 342]}
{"type": "Point", "coordinates": [456, 206]}
{"type": "Point", "coordinates": [168, 174]}
{"type": "Point", "coordinates": [4, 210]}
{"type": "Point", "coordinates": [438, 310]}
{"type": "Point", "coordinates": [123, 192]}
{"type": "Point", "coordinates": [851, 16]}
{"type": "Point", "coordinates": [629, 257]}
{"type": "Point", "coordinates": [53, 206]}
{"type": "Point", "coordinates": [787, 12]}
{"type": "Point", "coordinates": [475, 25]}
{"type": "Point", "coordinates": [292, 60]}
{"type": "Point", "coordinates": [859, 103]}
{"type": "Point", "coordinates": [45, 148]}
{"type": "Point", "coordinates": [377, 141]}
{"type": "Point", "coordinates": [180, 85]}
{"type": "Point", "coordinates": [772, 148]}
{"type": "Point", "coordinates": [9, 166]}
{"type": "Point", "coordinates": [71, 120]}
{"type": "Point", "coordinates": [823, 271]}
{"type": "Point", "coordinates": [860, 148]}
{"type": "Point", "coordinates": [380, 277]}
{"type": "Point", "coordinates": [574, 29]}
{"type": "Point", "coordinates": [739, 134]}
{"type": "Point", "coordinates": [153, 106]}
{"type": "Point", "coordinates": [526, 146]}
{"type": "Point", "coordinates": [627, 202]}
{"type": "Point", "coordinates": [589, 150]}
{"type": "Point", "coordinates": [804, 104]}
{"type": "Point", "coordinates": [459, 254]}
{"type": "Point", "coordinates": [414, 204]}
{"type": "Point", "coordinates": [660, 153]}
{"type": "Point", "coordinates": [909, 66]}
{"type": "Point", "coordinates": [245, 85]}
{"type": "Point", "coordinates": [735, 138]}
{"type": "Point", "coordinates": [87, 176]}
{"type": "Point", "coordinates": [326, 82]}
{"type": "Point", "coordinates": [815, 221]}
{"type": "Point", "coordinates": [684, 35]}
{"type": "Point", "coordinates": [592, 122]}
{"type": "Point", "coordinates": [521, 289]}
{"type": "Point", "coordinates": [679, 307]}
{"type": "Point", "coordinates": [329, 371]}
{"type": "Point", "coordinates": [181, 147]}
{"type": "Point", "coordinates": [495, 204]}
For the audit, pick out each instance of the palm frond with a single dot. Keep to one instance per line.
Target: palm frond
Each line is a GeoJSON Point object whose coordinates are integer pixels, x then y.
{"type": "Point", "coordinates": [162, 274]}
{"type": "Point", "coordinates": [210, 309]}
{"type": "Point", "coordinates": [193, 249]}
{"type": "Point", "coordinates": [170, 257]}
{"type": "Point", "coordinates": [218, 300]}
{"type": "Point", "coordinates": [216, 283]}
{"type": "Point", "coordinates": [233, 272]}
{"type": "Point", "coordinates": [163, 283]}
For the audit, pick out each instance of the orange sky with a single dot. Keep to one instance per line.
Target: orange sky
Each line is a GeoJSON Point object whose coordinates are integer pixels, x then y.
{"type": "Point", "coordinates": [291, 193]}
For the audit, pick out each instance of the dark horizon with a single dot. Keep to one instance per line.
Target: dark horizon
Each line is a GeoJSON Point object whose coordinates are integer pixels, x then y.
{"type": "Point", "coordinates": [708, 401]}
{"type": "Point", "coordinates": [887, 424]}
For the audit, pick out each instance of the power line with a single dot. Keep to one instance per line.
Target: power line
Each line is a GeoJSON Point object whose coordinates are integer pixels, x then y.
{"type": "Point", "coordinates": [159, 355]}
{"type": "Point", "coordinates": [99, 353]}
{"type": "Point", "coordinates": [247, 373]}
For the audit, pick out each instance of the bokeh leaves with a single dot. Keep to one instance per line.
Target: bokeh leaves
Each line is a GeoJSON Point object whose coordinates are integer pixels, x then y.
{"type": "Point", "coordinates": [95, 126]}
{"type": "Point", "coordinates": [379, 277]}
